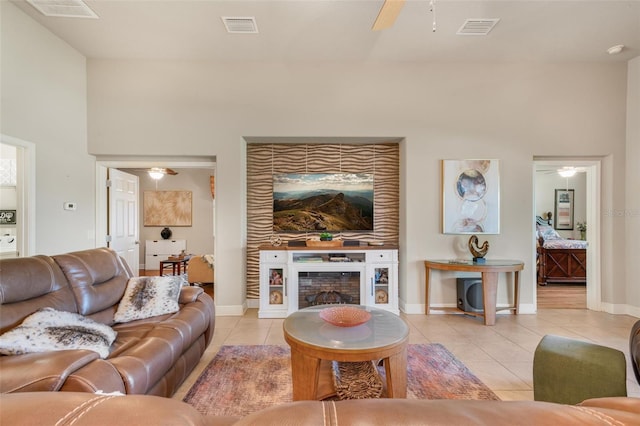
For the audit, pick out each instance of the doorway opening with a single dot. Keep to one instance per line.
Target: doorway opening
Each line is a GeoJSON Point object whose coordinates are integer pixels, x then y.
{"type": "Point", "coordinates": [193, 175]}
{"type": "Point", "coordinates": [18, 197]}
{"type": "Point", "coordinates": [584, 186]}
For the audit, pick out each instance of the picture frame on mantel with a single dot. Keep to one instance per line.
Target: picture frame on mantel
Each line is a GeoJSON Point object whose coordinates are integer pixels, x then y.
{"type": "Point", "coordinates": [471, 196]}
{"type": "Point", "coordinates": [563, 209]}
{"type": "Point", "coordinates": [167, 208]}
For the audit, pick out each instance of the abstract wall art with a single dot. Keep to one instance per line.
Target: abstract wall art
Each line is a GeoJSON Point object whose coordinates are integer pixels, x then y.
{"type": "Point", "coordinates": [470, 197]}
{"type": "Point", "coordinates": [167, 208]}
{"type": "Point", "coordinates": [563, 207]}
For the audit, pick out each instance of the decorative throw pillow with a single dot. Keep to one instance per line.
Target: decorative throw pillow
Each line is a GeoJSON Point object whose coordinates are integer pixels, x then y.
{"type": "Point", "coordinates": [52, 330]}
{"type": "Point", "coordinates": [548, 233]}
{"type": "Point", "coordinates": [147, 297]}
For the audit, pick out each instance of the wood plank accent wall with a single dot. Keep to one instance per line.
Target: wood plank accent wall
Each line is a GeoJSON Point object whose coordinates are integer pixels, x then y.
{"type": "Point", "coordinates": [263, 160]}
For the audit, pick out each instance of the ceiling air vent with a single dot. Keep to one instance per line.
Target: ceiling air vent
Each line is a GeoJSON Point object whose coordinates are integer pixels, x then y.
{"type": "Point", "coordinates": [240, 25]}
{"type": "Point", "coordinates": [63, 8]}
{"type": "Point", "coordinates": [477, 26]}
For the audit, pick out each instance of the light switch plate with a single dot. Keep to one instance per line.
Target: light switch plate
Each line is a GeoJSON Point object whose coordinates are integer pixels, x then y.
{"type": "Point", "coordinates": [69, 205]}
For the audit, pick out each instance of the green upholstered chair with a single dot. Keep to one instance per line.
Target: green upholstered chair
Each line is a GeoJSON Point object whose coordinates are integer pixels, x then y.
{"type": "Point", "coordinates": [568, 371]}
{"type": "Point", "coordinates": [634, 349]}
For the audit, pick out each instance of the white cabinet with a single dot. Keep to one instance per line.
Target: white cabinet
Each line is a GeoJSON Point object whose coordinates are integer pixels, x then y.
{"type": "Point", "coordinates": [382, 279]}
{"type": "Point", "coordinates": [158, 250]}
{"type": "Point", "coordinates": [294, 278]}
{"type": "Point", "coordinates": [274, 298]}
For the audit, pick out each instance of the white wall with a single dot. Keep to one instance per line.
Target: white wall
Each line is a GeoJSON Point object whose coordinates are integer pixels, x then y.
{"type": "Point", "coordinates": [631, 210]}
{"type": "Point", "coordinates": [43, 101]}
{"type": "Point", "coordinates": [512, 112]}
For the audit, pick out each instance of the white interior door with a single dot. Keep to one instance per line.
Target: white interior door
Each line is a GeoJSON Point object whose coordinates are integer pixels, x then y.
{"type": "Point", "coordinates": [123, 198]}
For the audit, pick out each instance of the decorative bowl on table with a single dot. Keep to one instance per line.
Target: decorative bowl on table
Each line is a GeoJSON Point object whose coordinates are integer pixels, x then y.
{"type": "Point", "coordinates": [345, 316]}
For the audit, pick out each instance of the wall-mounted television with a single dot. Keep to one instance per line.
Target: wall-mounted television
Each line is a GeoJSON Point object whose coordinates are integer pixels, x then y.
{"type": "Point", "coordinates": [322, 202]}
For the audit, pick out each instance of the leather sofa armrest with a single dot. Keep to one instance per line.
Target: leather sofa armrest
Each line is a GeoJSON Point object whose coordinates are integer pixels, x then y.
{"type": "Point", "coordinates": [630, 404]}
{"type": "Point", "coordinates": [44, 371]}
{"type": "Point", "coordinates": [87, 409]}
{"type": "Point", "coordinates": [189, 294]}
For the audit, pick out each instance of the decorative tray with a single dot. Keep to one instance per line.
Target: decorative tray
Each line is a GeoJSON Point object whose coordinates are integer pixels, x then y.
{"type": "Point", "coordinates": [317, 243]}
{"type": "Point", "coordinates": [345, 316]}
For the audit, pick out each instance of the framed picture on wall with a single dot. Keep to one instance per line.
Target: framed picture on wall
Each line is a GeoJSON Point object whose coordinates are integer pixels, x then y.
{"type": "Point", "coordinates": [8, 217]}
{"type": "Point", "coordinates": [470, 197]}
{"type": "Point", "coordinates": [167, 208]}
{"type": "Point", "coordinates": [563, 210]}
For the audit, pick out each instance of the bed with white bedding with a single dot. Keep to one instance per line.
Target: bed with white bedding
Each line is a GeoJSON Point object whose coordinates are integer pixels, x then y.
{"type": "Point", "coordinates": [559, 260]}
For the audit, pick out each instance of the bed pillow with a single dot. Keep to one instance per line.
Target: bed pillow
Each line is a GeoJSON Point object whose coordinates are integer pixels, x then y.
{"type": "Point", "coordinates": [147, 297]}
{"type": "Point", "coordinates": [51, 330]}
{"type": "Point", "coordinates": [548, 233]}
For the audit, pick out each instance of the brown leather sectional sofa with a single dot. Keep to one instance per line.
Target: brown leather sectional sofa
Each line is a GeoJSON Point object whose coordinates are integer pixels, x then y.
{"type": "Point", "coordinates": [149, 356]}
{"type": "Point", "coordinates": [82, 409]}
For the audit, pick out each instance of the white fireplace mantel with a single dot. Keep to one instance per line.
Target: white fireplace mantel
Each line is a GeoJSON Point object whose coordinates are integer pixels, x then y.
{"type": "Point", "coordinates": [282, 267]}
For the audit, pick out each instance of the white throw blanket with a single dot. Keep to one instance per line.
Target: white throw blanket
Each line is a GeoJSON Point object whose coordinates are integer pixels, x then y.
{"type": "Point", "coordinates": [209, 259]}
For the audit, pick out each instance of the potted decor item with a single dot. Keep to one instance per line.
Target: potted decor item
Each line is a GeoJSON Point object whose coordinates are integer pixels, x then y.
{"type": "Point", "coordinates": [166, 233]}
{"type": "Point", "coordinates": [326, 236]}
{"type": "Point", "coordinates": [582, 227]}
{"type": "Point", "coordinates": [325, 239]}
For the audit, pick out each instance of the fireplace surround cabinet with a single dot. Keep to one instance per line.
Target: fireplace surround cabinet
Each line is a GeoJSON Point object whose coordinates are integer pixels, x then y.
{"type": "Point", "coordinates": [293, 278]}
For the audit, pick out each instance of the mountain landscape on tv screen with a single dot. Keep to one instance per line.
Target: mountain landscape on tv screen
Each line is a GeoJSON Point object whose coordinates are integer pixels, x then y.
{"type": "Point", "coordinates": [333, 210]}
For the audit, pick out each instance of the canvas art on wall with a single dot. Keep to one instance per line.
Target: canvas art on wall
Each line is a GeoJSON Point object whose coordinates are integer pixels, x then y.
{"type": "Point", "coordinates": [167, 208]}
{"type": "Point", "coordinates": [470, 197]}
{"type": "Point", "coordinates": [563, 209]}
{"type": "Point", "coordinates": [309, 202]}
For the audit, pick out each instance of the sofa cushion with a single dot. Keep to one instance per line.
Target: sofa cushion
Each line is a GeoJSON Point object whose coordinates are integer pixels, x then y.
{"type": "Point", "coordinates": [28, 284]}
{"type": "Point", "coordinates": [52, 330]}
{"type": "Point", "coordinates": [147, 297]}
{"type": "Point", "coordinates": [97, 277]}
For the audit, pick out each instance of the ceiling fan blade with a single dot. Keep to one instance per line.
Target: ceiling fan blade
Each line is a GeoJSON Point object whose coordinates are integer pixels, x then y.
{"type": "Point", "coordinates": [170, 171]}
{"type": "Point", "coordinates": [388, 13]}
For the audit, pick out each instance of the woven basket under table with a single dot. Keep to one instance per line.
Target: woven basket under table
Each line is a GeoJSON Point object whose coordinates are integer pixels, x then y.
{"type": "Point", "coordinates": [356, 380]}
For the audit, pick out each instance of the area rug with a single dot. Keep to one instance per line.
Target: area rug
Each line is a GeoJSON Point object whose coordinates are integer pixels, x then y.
{"type": "Point", "coordinates": [243, 379]}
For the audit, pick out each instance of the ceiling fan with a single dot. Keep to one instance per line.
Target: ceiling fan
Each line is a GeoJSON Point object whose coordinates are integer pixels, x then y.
{"type": "Point", "coordinates": [158, 172]}
{"type": "Point", "coordinates": [388, 13]}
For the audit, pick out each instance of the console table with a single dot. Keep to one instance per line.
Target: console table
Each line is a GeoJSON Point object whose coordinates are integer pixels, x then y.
{"type": "Point", "coordinates": [489, 270]}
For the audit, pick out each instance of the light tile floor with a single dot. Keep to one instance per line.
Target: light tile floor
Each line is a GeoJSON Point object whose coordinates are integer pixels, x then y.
{"type": "Point", "coordinates": [501, 355]}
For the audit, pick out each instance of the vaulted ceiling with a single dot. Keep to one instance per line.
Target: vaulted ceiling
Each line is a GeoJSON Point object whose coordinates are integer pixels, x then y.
{"type": "Point", "coordinates": [340, 30]}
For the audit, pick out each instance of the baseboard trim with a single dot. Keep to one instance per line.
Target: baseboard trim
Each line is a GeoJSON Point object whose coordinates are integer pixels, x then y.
{"type": "Point", "coordinates": [418, 308]}
{"type": "Point", "coordinates": [527, 309]}
{"type": "Point", "coordinates": [231, 310]}
{"type": "Point", "coordinates": [620, 309]}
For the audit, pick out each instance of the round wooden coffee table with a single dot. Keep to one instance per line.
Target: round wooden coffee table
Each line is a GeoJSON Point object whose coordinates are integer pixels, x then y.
{"type": "Point", "coordinates": [313, 341]}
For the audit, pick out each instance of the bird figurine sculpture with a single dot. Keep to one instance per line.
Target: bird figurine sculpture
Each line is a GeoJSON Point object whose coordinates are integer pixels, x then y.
{"type": "Point", "coordinates": [478, 252]}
